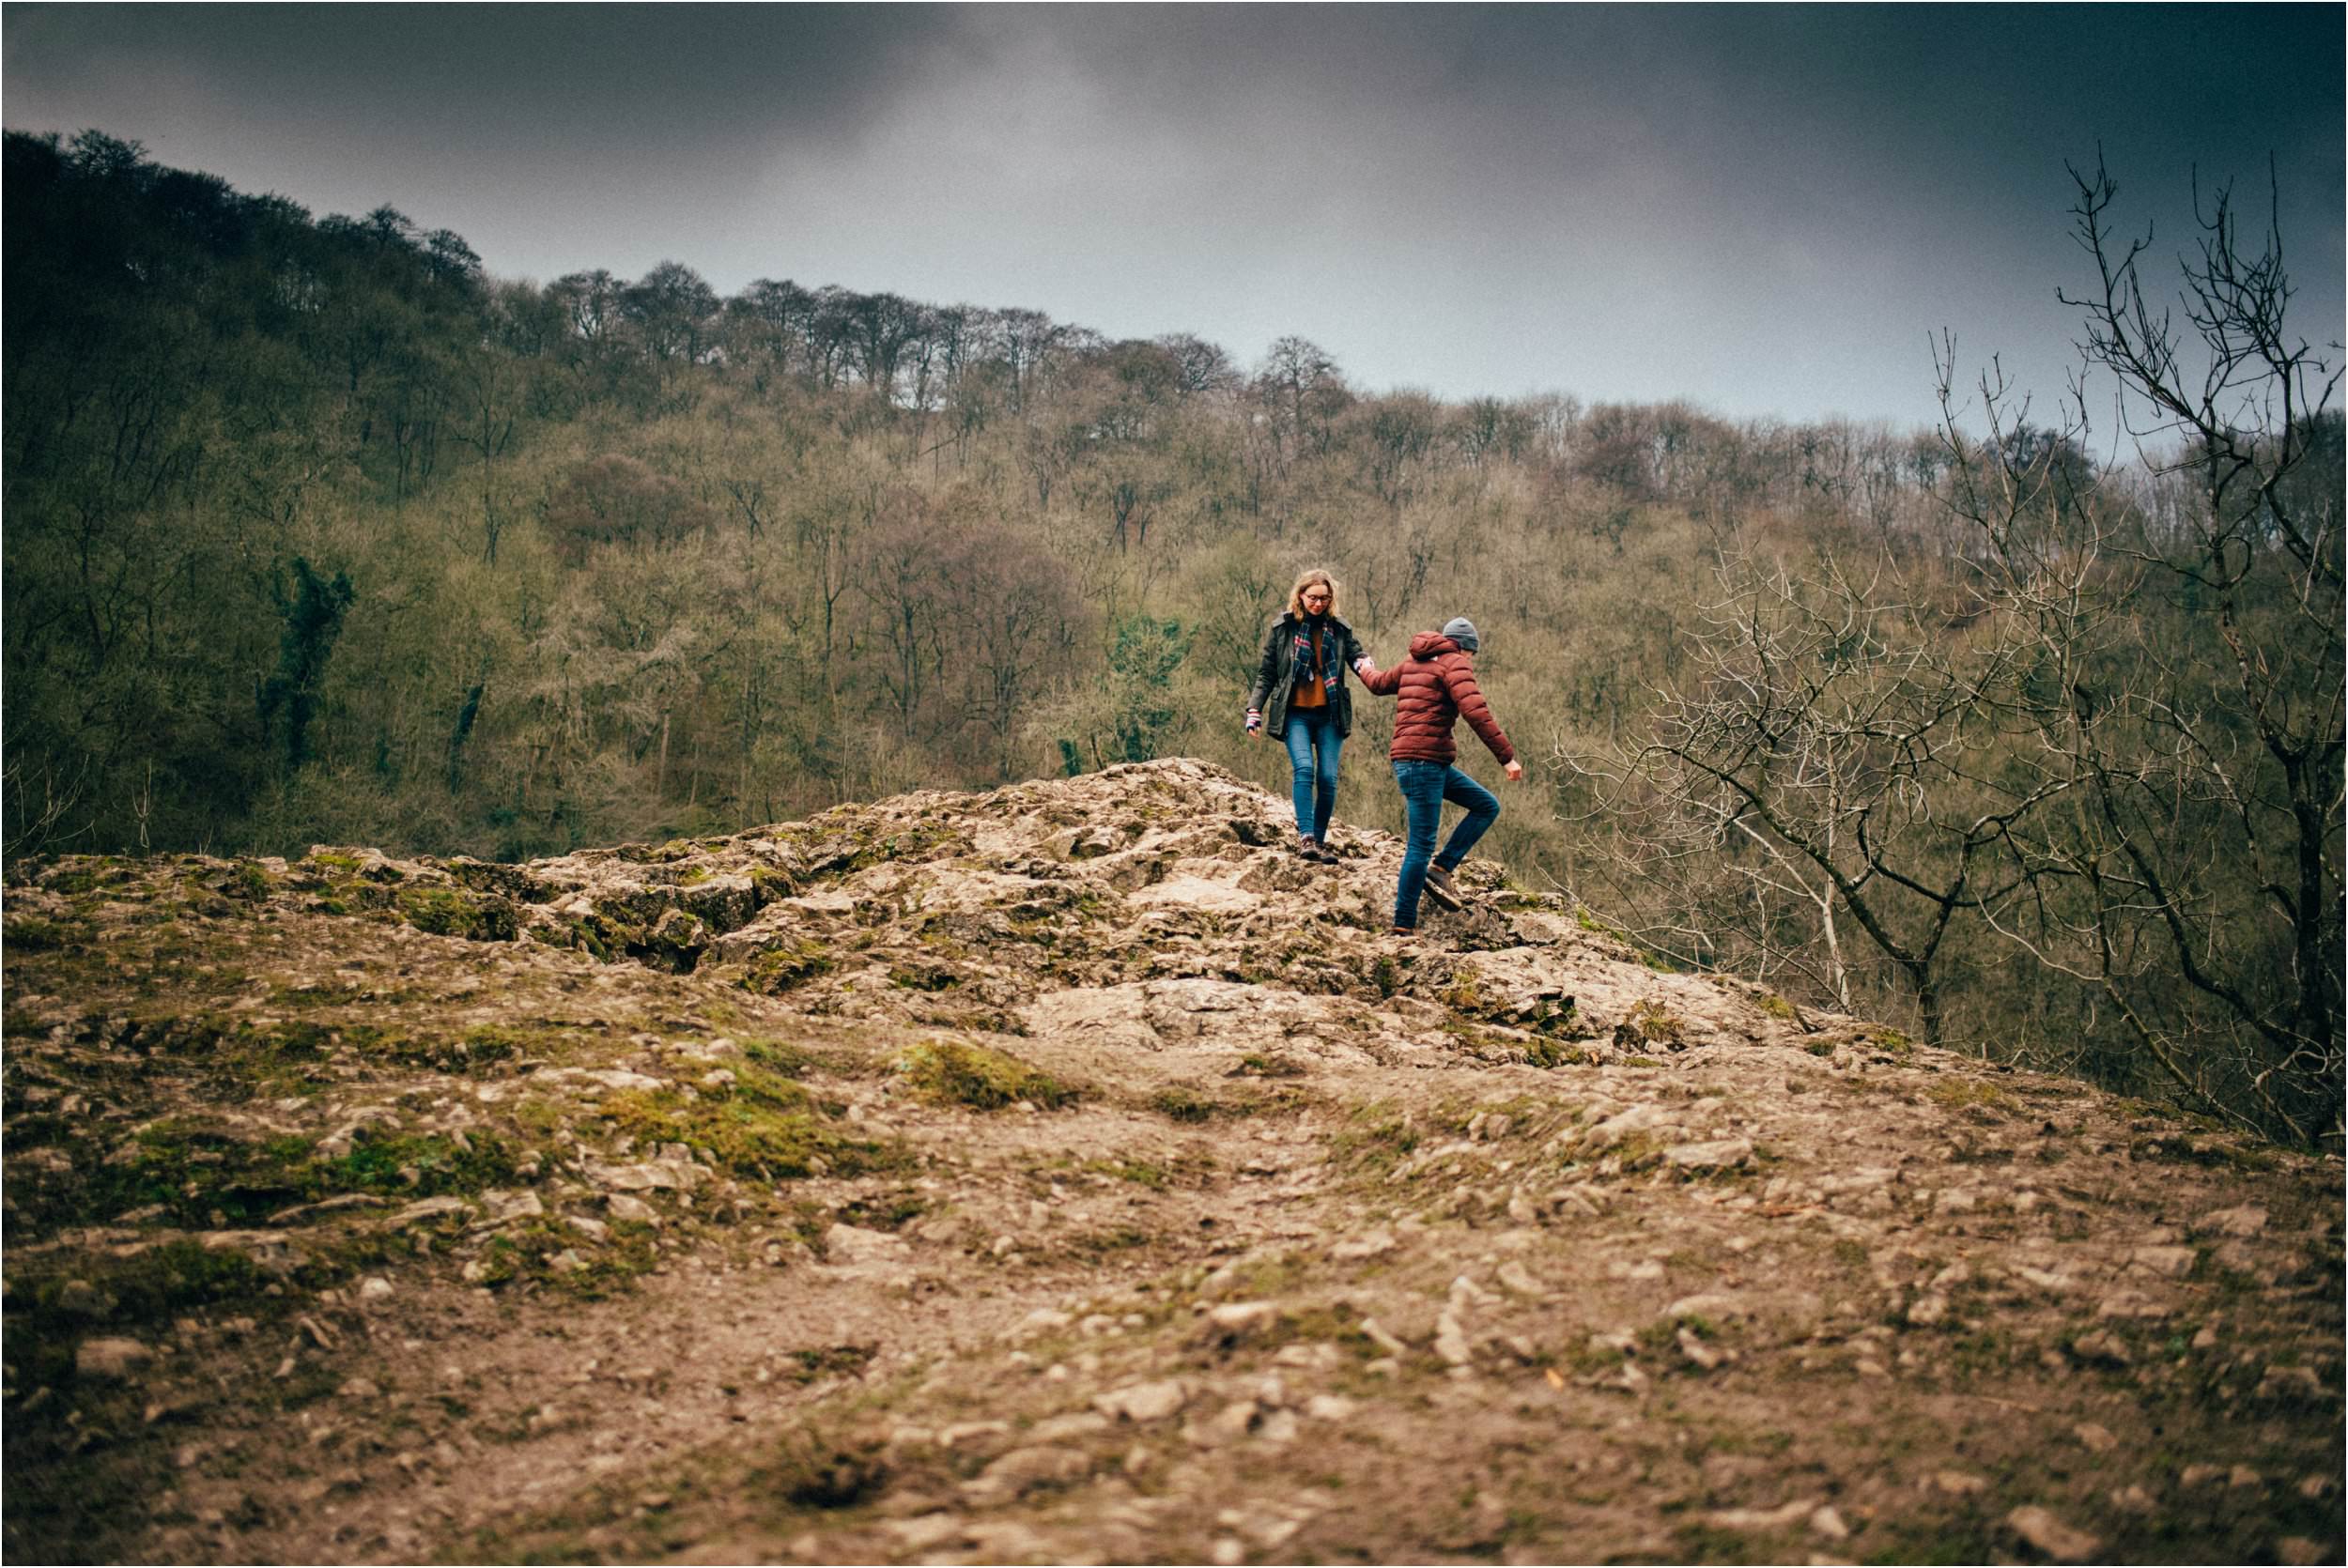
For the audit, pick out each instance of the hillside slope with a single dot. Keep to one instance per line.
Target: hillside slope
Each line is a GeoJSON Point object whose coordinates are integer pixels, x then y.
{"type": "Point", "coordinates": [1071, 1172]}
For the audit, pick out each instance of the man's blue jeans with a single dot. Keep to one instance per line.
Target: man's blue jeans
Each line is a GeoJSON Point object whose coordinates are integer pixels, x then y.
{"type": "Point", "coordinates": [1424, 787]}
{"type": "Point", "coordinates": [1313, 744]}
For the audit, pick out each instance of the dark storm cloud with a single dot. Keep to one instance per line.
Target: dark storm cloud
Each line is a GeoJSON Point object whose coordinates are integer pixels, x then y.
{"type": "Point", "coordinates": [597, 79]}
{"type": "Point", "coordinates": [1760, 207]}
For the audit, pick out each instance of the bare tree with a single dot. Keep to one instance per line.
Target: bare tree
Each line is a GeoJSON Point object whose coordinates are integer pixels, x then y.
{"type": "Point", "coordinates": [771, 321]}
{"type": "Point", "coordinates": [489, 387]}
{"type": "Point", "coordinates": [1302, 388]}
{"type": "Point", "coordinates": [1206, 368]}
{"type": "Point", "coordinates": [2203, 854]}
{"type": "Point", "coordinates": [2100, 720]}
{"type": "Point", "coordinates": [38, 800]}
{"type": "Point", "coordinates": [884, 326]}
{"type": "Point", "coordinates": [674, 309]}
{"type": "Point", "coordinates": [1025, 340]}
{"type": "Point", "coordinates": [1832, 752]}
{"type": "Point", "coordinates": [901, 574]}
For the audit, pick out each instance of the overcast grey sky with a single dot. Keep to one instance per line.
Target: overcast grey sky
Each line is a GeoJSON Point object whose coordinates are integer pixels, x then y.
{"type": "Point", "coordinates": [1764, 209]}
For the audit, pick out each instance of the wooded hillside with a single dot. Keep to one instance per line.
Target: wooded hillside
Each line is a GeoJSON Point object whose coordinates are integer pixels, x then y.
{"type": "Point", "coordinates": [317, 532]}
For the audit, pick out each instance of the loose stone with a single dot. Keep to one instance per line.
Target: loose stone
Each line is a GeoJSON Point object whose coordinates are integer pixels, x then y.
{"type": "Point", "coordinates": [634, 1210]}
{"type": "Point", "coordinates": [1144, 1401]}
{"type": "Point", "coordinates": [111, 1358]}
{"type": "Point", "coordinates": [1451, 1342]}
{"type": "Point", "coordinates": [2046, 1534]}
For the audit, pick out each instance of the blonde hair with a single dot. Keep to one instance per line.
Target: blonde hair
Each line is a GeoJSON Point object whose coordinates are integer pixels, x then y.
{"type": "Point", "coordinates": [1296, 595]}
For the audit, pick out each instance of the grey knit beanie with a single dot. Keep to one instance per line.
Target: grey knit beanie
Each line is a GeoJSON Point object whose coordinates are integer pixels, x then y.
{"type": "Point", "coordinates": [1460, 630]}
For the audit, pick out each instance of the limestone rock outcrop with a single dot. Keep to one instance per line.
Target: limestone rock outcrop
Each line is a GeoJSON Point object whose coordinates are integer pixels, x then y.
{"type": "Point", "coordinates": [1069, 1169]}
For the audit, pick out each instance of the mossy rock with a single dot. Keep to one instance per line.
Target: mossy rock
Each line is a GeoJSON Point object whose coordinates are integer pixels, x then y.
{"type": "Point", "coordinates": [726, 902]}
{"type": "Point", "coordinates": [675, 943]}
{"type": "Point", "coordinates": [248, 882]}
{"type": "Point", "coordinates": [452, 910]}
{"type": "Point", "coordinates": [509, 882]}
{"type": "Point", "coordinates": [1553, 1053]}
{"type": "Point", "coordinates": [769, 882]}
{"type": "Point", "coordinates": [924, 977]}
{"type": "Point", "coordinates": [786, 966]}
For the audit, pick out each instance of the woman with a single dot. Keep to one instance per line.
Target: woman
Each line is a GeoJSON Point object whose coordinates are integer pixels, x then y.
{"type": "Point", "coordinates": [1436, 687]}
{"type": "Point", "coordinates": [1300, 696]}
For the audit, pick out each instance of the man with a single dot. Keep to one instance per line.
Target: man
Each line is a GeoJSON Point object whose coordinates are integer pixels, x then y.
{"type": "Point", "coordinates": [1436, 687]}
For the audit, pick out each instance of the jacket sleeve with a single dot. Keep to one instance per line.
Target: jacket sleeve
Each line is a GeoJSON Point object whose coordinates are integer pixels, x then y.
{"type": "Point", "coordinates": [1384, 683]}
{"type": "Point", "coordinates": [1354, 652]}
{"type": "Point", "coordinates": [1268, 666]}
{"type": "Point", "coordinates": [1459, 679]}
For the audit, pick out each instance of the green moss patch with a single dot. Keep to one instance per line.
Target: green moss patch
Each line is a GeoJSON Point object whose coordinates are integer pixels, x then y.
{"type": "Point", "coordinates": [300, 1057]}
{"type": "Point", "coordinates": [1184, 1105]}
{"type": "Point", "coordinates": [450, 910]}
{"type": "Point", "coordinates": [786, 966]}
{"type": "Point", "coordinates": [1962, 1093]}
{"type": "Point", "coordinates": [201, 1176]}
{"type": "Point", "coordinates": [77, 875]}
{"type": "Point", "coordinates": [1254, 1066]}
{"type": "Point", "coordinates": [778, 1056]}
{"type": "Point", "coordinates": [248, 882]}
{"type": "Point", "coordinates": [31, 933]}
{"type": "Point", "coordinates": [1541, 1052]}
{"type": "Point", "coordinates": [762, 1125]}
{"type": "Point", "coordinates": [548, 1253]}
{"type": "Point", "coordinates": [975, 1076]}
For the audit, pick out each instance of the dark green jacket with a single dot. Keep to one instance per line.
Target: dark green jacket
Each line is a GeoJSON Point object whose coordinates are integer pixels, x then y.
{"type": "Point", "coordinates": [1275, 671]}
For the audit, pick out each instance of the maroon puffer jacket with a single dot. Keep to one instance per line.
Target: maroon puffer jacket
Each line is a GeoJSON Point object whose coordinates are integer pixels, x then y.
{"type": "Point", "coordinates": [1437, 686]}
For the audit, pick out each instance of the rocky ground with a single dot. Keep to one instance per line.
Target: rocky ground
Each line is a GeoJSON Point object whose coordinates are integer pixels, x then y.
{"type": "Point", "coordinates": [1071, 1173]}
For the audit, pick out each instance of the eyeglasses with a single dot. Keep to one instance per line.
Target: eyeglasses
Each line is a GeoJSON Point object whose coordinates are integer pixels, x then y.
{"type": "Point", "coordinates": [1316, 598]}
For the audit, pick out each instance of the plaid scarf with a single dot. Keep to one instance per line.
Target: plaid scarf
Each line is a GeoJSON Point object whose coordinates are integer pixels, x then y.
{"type": "Point", "coordinates": [1311, 657]}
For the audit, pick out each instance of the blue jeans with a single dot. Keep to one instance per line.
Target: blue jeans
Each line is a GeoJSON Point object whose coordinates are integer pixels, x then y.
{"type": "Point", "coordinates": [1424, 787]}
{"type": "Point", "coordinates": [1313, 745]}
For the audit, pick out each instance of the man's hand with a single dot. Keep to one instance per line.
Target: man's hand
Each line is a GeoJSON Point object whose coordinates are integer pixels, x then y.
{"type": "Point", "coordinates": [1515, 770]}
